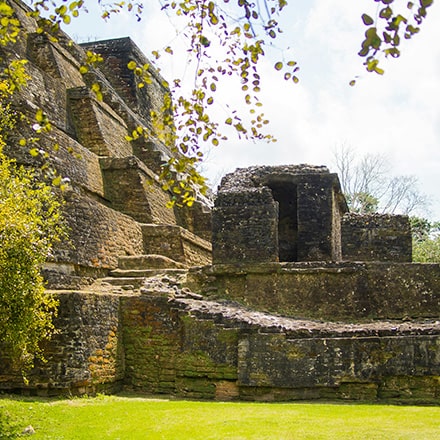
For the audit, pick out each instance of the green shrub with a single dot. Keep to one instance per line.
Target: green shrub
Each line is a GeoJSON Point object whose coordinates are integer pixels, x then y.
{"type": "Point", "coordinates": [426, 240]}
{"type": "Point", "coordinates": [30, 223]}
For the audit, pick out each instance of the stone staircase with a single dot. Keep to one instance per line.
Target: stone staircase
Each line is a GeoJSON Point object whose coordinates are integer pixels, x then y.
{"type": "Point", "coordinates": [132, 271]}
{"type": "Point", "coordinates": [169, 251]}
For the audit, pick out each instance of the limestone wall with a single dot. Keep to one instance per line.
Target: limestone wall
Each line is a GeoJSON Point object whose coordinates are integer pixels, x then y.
{"type": "Point", "coordinates": [167, 353]}
{"type": "Point", "coordinates": [117, 53]}
{"type": "Point", "coordinates": [85, 356]}
{"type": "Point", "coordinates": [97, 244]}
{"type": "Point", "coordinates": [332, 291]}
{"type": "Point", "coordinates": [130, 187]}
{"type": "Point", "coordinates": [316, 238]}
{"type": "Point", "coordinates": [176, 243]}
{"type": "Point", "coordinates": [72, 160]}
{"type": "Point", "coordinates": [96, 125]}
{"type": "Point", "coordinates": [351, 367]}
{"type": "Point", "coordinates": [197, 219]}
{"type": "Point", "coordinates": [216, 350]}
{"type": "Point", "coordinates": [202, 349]}
{"type": "Point", "coordinates": [112, 182]}
{"type": "Point", "coordinates": [245, 227]}
{"type": "Point", "coordinates": [279, 213]}
{"type": "Point", "coordinates": [376, 237]}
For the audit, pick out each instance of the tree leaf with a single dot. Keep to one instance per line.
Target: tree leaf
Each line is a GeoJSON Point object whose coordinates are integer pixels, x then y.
{"type": "Point", "coordinates": [132, 65]}
{"type": "Point", "coordinates": [368, 21]}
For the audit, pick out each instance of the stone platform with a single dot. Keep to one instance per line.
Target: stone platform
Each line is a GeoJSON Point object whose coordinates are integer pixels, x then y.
{"type": "Point", "coordinates": [155, 335]}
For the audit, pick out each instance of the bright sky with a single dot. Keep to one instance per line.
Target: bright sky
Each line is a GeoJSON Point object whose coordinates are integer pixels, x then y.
{"type": "Point", "coordinates": [397, 114]}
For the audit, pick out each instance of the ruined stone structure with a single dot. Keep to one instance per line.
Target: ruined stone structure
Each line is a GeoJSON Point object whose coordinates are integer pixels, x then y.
{"type": "Point", "coordinates": [113, 210]}
{"type": "Point", "coordinates": [296, 213]}
{"type": "Point", "coordinates": [278, 205]}
{"type": "Point", "coordinates": [302, 300]}
{"type": "Point", "coordinates": [376, 237]}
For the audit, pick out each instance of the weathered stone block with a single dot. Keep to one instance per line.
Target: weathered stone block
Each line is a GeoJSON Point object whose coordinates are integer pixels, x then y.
{"type": "Point", "coordinates": [196, 219]}
{"type": "Point", "coordinates": [85, 355]}
{"type": "Point", "coordinates": [331, 291]}
{"type": "Point", "coordinates": [284, 213]}
{"type": "Point", "coordinates": [176, 243]}
{"type": "Point", "coordinates": [117, 53]}
{"type": "Point", "coordinates": [376, 237]}
{"type": "Point", "coordinates": [267, 360]}
{"type": "Point", "coordinates": [151, 343]}
{"type": "Point", "coordinates": [244, 227]}
{"type": "Point", "coordinates": [131, 188]}
{"type": "Point", "coordinates": [97, 244]}
{"type": "Point", "coordinates": [97, 126]}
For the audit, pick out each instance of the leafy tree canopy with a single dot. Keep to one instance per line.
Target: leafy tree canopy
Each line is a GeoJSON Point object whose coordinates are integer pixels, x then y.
{"type": "Point", "coordinates": [426, 240]}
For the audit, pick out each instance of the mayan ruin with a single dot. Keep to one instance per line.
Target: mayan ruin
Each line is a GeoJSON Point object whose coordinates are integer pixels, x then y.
{"type": "Point", "coordinates": [273, 291]}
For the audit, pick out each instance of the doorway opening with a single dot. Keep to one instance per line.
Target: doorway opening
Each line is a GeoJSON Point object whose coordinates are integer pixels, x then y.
{"type": "Point", "coordinates": [285, 193]}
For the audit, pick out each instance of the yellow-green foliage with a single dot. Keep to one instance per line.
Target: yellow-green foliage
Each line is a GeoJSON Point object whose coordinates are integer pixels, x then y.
{"type": "Point", "coordinates": [30, 222]}
{"type": "Point", "coordinates": [426, 240]}
{"type": "Point", "coordinates": [427, 251]}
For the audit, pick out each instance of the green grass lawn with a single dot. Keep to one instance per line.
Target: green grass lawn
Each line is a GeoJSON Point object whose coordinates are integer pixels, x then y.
{"type": "Point", "coordinates": [141, 418]}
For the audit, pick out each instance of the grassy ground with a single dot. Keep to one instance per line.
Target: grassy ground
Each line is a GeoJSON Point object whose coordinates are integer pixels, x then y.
{"type": "Point", "coordinates": [134, 418]}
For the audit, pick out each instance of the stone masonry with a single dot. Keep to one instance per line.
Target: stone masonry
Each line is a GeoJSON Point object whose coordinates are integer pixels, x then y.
{"type": "Point", "coordinates": [285, 213]}
{"type": "Point", "coordinates": [301, 300]}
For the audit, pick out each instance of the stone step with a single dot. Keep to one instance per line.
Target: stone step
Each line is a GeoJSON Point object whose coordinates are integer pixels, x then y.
{"type": "Point", "coordinates": [145, 273]}
{"type": "Point", "coordinates": [124, 283]}
{"type": "Point", "coordinates": [146, 262]}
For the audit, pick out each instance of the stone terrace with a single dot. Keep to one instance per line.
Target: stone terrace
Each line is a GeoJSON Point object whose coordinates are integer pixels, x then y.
{"type": "Point", "coordinates": [302, 301]}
